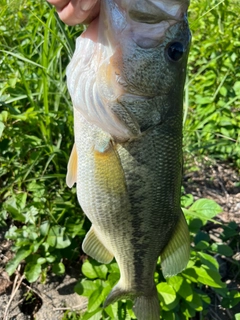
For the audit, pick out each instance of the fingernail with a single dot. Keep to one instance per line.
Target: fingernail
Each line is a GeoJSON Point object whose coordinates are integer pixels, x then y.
{"type": "Point", "coordinates": [87, 4]}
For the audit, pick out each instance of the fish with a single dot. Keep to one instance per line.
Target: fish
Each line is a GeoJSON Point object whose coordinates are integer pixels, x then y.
{"type": "Point", "coordinates": [126, 81]}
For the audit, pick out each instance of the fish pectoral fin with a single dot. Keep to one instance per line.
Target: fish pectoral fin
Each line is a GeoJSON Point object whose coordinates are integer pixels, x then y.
{"type": "Point", "coordinates": [109, 174]}
{"type": "Point", "coordinates": [94, 248]}
{"type": "Point", "coordinates": [177, 252]}
{"type": "Point", "coordinates": [71, 177]}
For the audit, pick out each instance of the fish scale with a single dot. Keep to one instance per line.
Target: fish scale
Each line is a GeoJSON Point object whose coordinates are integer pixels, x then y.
{"type": "Point", "coordinates": [127, 156]}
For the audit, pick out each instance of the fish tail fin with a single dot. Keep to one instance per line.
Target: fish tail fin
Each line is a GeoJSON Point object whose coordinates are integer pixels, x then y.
{"type": "Point", "coordinates": [145, 307]}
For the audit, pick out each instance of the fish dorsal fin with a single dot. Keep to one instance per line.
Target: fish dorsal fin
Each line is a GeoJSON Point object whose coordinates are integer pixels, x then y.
{"type": "Point", "coordinates": [176, 254]}
{"type": "Point", "coordinates": [71, 177]}
{"type": "Point", "coordinates": [94, 248]}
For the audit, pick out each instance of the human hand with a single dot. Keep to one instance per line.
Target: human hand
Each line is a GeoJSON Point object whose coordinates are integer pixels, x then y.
{"type": "Point", "coordinates": [74, 12]}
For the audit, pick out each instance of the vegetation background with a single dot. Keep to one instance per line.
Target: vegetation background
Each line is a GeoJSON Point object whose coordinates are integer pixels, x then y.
{"type": "Point", "coordinates": [40, 215]}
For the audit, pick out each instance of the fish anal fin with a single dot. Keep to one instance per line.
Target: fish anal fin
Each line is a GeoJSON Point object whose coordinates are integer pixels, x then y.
{"type": "Point", "coordinates": [93, 247]}
{"type": "Point", "coordinates": [71, 177]}
{"type": "Point", "coordinates": [146, 307]}
{"type": "Point", "coordinates": [176, 254]}
{"type": "Point", "coordinates": [117, 293]}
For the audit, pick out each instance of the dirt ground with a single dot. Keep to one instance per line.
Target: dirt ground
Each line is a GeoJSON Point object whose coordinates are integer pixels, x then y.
{"type": "Point", "coordinates": [49, 301]}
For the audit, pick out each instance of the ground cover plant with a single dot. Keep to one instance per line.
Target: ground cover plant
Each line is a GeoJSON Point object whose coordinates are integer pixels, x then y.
{"type": "Point", "coordinates": [212, 103]}
{"type": "Point", "coordinates": [41, 216]}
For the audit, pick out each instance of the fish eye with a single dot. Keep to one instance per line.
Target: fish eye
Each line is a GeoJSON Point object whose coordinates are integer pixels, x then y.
{"type": "Point", "coordinates": [175, 51]}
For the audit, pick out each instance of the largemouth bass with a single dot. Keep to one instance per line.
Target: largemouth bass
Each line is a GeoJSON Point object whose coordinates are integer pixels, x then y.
{"type": "Point", "coordinates": [126, 82]}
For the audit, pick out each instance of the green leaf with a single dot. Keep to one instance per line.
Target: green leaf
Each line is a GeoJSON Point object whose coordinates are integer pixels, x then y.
{"type": "Point", "coordinates": [195, 225]}
{"type": "Point", "coordinates": [95, 315]}
{"type": "Point", "coordinates": [21, 199]}
{"type": "Point", "coordinates": [36, 188]}
{"type": "Point", "coordinates": [223, 91]}
{"type": "Point", "coordinates": [205, 299]}
{"type": "Point", "coordinates": [185, 291]}
{"type": "Point", "coordinates": [229, 231]}
{"type": "Point", "coordinates": [113, 267]}
{"type": "Point", "coordinates": [233, 299]}
{"type": "Point", "coordinates": [206, 208]}
{"type": "Point", "coordinates": [32, 271]}
{"type": "Point", "coordinates": [222, 249]}
{"type": "Point", "coordinates": [181, 287]}
{"type": "Point", "coordinates": [41, 260]}
{"type": "Point", "coordinates": [113, 278]}
{"type": "Point", "coordinates": [58, 238]}
{"type": "Point", "coordinates": [20, 255]}
{"type": "Point", "coordinates": [202, 245]}
{"type": "Point", "coordinates": [11, 206]}
{"type": "Point", "coordinates": [129, 306]}
{"type": "Point", "coordinates": [86, 287]}
{"type": "Point", "coordinates": [58, 268]}
{"type": "Point", "coordinates": [12, 233]}
{"type": "Point", "coordinates": [204, 100]}
{"type": "Point", "coordinates": [31, 215]}
{"type": "Point", "coordinates": [201, 236]}
{"type": "Point", "coordinates": [166, 315]}
{"type": "Point", "coordinates": [75, 227]}
{"type": "Point", "coordinates": [187, 200]}
{"type": "Point", "coordinates": [175, 282]}
{"type": "Point", "coordinates": [208, 260]}
{"type": "Point", "coordinates": [44, 228]}
{"type": "Point", "coordinates": [122, 312]}
{"type": "Point", "coordinates": [187, 310]}
{"type": "Point", "coordinates": [205, 276]}
{"type": "Point", "coordinates": [190, 274]}
{"type": "Point", "coordinates": [166, 292]}
{"type": "Point", "coordinates": [93, 270]}
{"type": "Point", "coordinates": [236, 87]}
{"type": "Point", "coordinates": [2, 127]}
{"type": "Point", "coordinates": [51, 258]}
{"type": "Point", "coordinates": [112, 310]}
{"type": "Point", "coordinates": [4, 114]}
{"type": "Point", "coordinates": [237, 316]}
{"type": "Point", "coordinates": [95, 300]}
{"type": "Point", "coordinates": [196, 302]}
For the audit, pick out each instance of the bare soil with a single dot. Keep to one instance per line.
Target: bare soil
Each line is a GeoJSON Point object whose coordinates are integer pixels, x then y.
{"type": "Point", "coordinates": [20, 300]}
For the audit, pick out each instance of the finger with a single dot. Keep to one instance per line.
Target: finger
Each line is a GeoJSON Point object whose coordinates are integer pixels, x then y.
{"type": "Point", "coordinates": [77, 11]}
{"type": "Point", "coordinates": [59, 4]}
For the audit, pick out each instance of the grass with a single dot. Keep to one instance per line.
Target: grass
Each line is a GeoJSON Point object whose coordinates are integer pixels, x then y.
{"type": "Point", "coordinates": [212, 90]}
